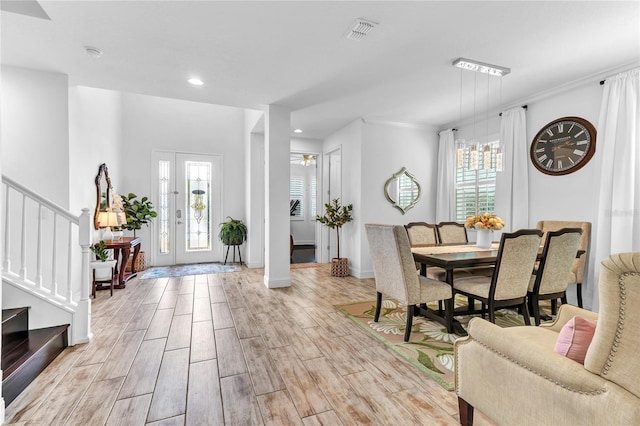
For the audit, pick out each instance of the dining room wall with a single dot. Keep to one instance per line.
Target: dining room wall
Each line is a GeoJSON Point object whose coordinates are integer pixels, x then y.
{"type": "Point", "coordinates": [568, 197]}
{"type": "Point", "coordinates": [372, 153]}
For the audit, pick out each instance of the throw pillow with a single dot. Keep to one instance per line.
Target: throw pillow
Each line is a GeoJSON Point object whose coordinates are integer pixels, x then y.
{"type": "Point", "coordinates": [574, 338]}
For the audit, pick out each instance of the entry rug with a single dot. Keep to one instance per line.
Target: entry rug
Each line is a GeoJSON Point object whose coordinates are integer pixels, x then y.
{"type": "Point", "coordinates": [182, 270]}
{"type": "Point", "coordinates": [430, 347]}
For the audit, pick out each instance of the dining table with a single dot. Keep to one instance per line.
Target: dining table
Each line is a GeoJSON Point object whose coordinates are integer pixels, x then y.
{"type": "Point", "coordinates": [455, 256]}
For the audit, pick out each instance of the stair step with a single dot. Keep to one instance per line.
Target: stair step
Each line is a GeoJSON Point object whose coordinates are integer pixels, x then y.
{"type": "Point", "coordinates": [22, 364]}
{"type": "Point", "coordinates": [15, 324]}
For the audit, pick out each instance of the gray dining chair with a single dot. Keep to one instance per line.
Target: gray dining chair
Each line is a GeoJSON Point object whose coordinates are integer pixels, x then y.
{"type": "Point", "coordinates": [396, 276]}
{"type": "Point", "coordinates": [580, 263]}
{"type": "Point", "coordinates": [451, 233]}
{"type": "Point", "coordinates": [553, 274]}
{"type": "Point", "coordinates": [508, 285]}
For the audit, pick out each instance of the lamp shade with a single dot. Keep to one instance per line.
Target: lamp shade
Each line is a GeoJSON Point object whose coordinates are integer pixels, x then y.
{"type": "Point", "coordinates": [107, 219]}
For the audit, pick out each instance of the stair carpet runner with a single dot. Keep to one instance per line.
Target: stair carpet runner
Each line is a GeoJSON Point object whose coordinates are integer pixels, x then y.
{"type": "Point", "coordinates": [26, 353]}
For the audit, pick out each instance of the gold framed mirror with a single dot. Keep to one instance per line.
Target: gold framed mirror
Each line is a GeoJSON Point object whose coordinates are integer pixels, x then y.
{"type": "Point", "coordinates": [402, 190]}
{"type": "Point", "coordinates": [103, 189]}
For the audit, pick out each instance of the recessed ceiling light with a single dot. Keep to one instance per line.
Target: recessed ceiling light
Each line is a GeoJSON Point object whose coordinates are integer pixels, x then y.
{"type": "Point", "coordinates": [94, 52]}
{"type": "Point", "coordinates": [195, 81]}
{"type": "Point", "coordinates": [297, 131]}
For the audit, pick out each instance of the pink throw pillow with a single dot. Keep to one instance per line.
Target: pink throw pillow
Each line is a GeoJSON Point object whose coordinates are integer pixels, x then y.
{"type": "Point", "coordinates": [574, 338]}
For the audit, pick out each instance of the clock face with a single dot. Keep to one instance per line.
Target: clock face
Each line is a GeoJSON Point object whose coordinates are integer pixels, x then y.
{"type": "Point", "coordinates": [563, 146]}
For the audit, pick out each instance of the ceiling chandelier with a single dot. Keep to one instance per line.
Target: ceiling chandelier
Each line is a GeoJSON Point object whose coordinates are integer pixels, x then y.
{"type": "Point", "coordinates": [474, 155]}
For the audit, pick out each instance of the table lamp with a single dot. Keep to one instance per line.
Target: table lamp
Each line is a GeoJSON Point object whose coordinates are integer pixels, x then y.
{"type": "Point", "coordinates": [107, 220]}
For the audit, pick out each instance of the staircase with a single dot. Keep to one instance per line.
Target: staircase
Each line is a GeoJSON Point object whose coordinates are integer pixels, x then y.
{"type": "Point", "coordinates": [26, 353]}
{"type": "Point", "coordinates": [45, 283]}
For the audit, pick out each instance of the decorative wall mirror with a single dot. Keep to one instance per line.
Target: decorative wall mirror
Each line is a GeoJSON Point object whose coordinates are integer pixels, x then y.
{"type": "Point", "coordinates": [103, 189]}
{"type": "Point", "coordinates": [402, 190]}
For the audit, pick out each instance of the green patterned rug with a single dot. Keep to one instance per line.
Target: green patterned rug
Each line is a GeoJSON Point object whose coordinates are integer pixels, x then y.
{"type": "Point", "coordinates": [430, 347]}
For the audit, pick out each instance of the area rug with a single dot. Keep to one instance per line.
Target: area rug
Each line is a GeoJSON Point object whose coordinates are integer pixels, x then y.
{"type": "Point", "coordinates": [430, 347]}
{"type": "Point", "coordinates": [182, 270]}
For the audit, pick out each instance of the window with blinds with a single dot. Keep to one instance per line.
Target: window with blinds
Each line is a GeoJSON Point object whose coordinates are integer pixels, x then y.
{"type": "Point", "coordinates": [296, 196]}
{"type": "Point", "coordinates": [476, 189]}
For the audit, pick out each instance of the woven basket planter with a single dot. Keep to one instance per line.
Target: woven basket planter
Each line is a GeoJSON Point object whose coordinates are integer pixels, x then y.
{"type": "Point", "coordinates": [339, 267]}
{"type": "Point", "coordinates": [141, 264]}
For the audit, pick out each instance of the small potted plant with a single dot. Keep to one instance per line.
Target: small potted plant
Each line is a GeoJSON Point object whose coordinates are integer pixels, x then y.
{"type": "Point", "coordinates": [233, 232]}
{"type": "Point", "coordinates": [335, 216]}
{"type": "Point", "coordinates": [103, 267]}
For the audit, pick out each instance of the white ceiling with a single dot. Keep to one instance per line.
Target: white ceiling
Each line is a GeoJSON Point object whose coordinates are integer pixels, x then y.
{"type": "Point", "coordinates": [294, 53]}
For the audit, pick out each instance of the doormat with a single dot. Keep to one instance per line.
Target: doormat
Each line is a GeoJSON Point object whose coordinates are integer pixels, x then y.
{"type": "Point", "coordinates": [430, 347]}
{"type": "Point", "coordinates": [182, 270]}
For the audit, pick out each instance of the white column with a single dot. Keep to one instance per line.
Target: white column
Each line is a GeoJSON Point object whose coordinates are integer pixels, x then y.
{"type": "Point", "coordinates": [277, 228]}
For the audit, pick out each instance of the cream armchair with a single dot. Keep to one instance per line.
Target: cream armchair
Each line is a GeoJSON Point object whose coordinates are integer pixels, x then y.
{"type": "Point", "coordinates": [513, 375]}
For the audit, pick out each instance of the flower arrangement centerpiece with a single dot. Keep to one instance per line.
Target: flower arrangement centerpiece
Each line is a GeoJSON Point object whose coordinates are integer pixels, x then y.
{"type": "Point", "coordinates": [484, 223]}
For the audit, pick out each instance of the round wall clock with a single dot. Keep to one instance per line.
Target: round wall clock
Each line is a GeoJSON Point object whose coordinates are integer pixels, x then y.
{"type": "Point", "coordinates": [563, 146]}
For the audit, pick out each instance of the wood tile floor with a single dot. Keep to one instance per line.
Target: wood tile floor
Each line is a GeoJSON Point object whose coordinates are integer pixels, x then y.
{"type": "Point", "coordinates": [223, 349]}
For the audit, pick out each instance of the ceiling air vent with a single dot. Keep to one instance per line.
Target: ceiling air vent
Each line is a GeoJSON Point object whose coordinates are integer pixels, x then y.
{"type": "Point", "coordinates": [360, 29]}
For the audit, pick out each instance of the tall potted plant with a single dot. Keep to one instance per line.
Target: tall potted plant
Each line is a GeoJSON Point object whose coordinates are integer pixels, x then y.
{"type": "Point", "coordinates": [139, 212]}
{"type": "Point", "coordinates": [335, 217]}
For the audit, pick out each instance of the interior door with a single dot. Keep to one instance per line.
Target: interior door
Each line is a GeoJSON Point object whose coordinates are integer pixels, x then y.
{"type": "Point", "coordinates": [189, 208]}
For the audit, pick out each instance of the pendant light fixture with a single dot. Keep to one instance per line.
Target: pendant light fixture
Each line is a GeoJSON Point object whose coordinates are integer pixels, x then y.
{"type": "Point", "coordinates": [480, 155]}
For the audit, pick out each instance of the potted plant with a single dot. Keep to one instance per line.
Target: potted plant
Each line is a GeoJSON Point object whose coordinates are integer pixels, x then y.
{"type": "Point", "coordinates": [233, 232]}
{"type": "Point", "coordinates": [139, 212]}
{"type": "Point", "coordinates": [335, 216]}
{"type": "Point", "coordinates": [100, 251]}
{"type": "Point", "coordinates": [102, 268]}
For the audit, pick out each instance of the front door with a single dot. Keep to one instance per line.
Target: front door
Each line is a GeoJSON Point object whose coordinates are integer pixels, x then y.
{"type": "Point", "coordinates": [189, 187]}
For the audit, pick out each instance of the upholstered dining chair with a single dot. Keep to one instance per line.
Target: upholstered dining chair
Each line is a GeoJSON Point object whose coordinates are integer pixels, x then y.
{"type": "Point", "coordinates": [508, 285]}
{"type": "Point", "coordinates": [579, 264]}
{"type": "Point", "coordinates": [451, 233]}
{"type": "Point", "coordinates": [554, 270]}
{"type": "Point", "coordinates": [421, 234]}
{"type": "Point", "coordinates": [396, 277]}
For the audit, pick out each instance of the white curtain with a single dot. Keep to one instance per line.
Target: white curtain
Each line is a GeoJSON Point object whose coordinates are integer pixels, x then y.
{"type": "Point", "coordinates": [446, 181]}
{"type": "Point", "coordinates": [512, 184]}
{"type": "Point", "coordinates": [617, 225]}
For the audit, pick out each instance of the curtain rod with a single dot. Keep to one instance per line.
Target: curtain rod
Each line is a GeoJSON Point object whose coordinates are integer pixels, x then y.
{"type": "Point", "coordinates": [523, 106]}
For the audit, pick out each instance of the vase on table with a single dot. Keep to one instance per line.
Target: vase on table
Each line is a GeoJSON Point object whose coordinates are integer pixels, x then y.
{"type": "Point", "coordinates": [484, 237]}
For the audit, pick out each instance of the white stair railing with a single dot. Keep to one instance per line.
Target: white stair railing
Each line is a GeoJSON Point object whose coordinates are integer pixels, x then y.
{"type": "Point", "coordinates": [46, 253]}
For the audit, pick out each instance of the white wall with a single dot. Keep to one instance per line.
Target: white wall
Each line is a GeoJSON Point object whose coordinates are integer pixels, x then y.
{"type": "Point", "coordinates": [95, 137]}
{"type": "Point", "coordinates": [35, 131]}
{"type": "Point", "coordinates": [567, 197]}
{"type": "Point", "coordinates": [151, 123]}
{"type": "Point", "coordinates": [371, 154]}
{"type": "Point", "coordinates": [385, 150]}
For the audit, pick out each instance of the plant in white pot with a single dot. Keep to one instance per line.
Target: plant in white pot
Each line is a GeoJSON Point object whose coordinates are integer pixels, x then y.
{"type": "Point", "coordinates": [335, 217]}
{"type": "Point", "coordinates": [102, 268]}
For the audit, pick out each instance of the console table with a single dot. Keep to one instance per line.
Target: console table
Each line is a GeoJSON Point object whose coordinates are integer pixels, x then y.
{"type": "Point", "coordinates": [121, 250]}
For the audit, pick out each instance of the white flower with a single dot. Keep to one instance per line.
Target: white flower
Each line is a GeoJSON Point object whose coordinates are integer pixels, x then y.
{"type": "Point", "coordinates": [393, 323]}
{"type": "Point", "coordinates": [436, 331]}
{"type": "Point", "coordinates": [446, 360]}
